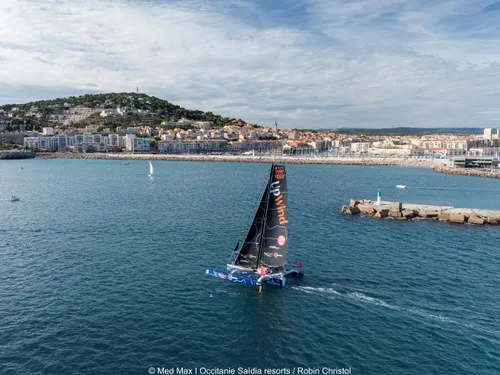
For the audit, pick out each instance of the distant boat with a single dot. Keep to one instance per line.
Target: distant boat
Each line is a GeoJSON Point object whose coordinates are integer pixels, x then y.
{"type": "Point", "coordinates": [401, 186]}
{"type": "Point", "coordinates": [14, 198]}
{"type": "Point", "coordinates": [150, 169]}
{"type": "Point", "coordinates": [262, 255]}
{"type": "Point", "coordinates": [126, 163]}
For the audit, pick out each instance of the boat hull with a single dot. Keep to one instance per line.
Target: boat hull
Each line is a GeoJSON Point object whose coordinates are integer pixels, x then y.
{"type": "Point", "coordinates": [250, 278]}
{"type": "Point", "coordinates": [240, 278]}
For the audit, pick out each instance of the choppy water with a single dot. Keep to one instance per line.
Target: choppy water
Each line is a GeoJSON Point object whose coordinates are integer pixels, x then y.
{"type": "Point", "coordinates": [101, 272]}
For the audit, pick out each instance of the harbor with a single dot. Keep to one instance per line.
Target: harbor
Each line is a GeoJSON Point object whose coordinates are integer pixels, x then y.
{"type": "Point", "coordinates": [412, 211]}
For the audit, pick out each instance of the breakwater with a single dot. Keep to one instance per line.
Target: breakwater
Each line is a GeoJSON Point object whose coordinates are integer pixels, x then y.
{"type": "Point", "coordinates": [409, 211]}
{"type": "Point", "coordinates": [437, 164]}
{"type": "Point", "coordinates": [417, 163]}
{"type": "Point", "coordinates": [473, 172]}
{"type": "Point", "coordinates": [15, 154]}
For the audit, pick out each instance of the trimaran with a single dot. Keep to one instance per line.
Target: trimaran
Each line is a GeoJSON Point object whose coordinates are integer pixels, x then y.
{"type": "Point", "coordinates": [262, 255]}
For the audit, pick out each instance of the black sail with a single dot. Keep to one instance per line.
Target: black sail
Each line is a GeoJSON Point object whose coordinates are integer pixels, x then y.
{"type": "Point", "coordinates": [250, 249]}
{"type": "Point", "coordinates": [275, 234]}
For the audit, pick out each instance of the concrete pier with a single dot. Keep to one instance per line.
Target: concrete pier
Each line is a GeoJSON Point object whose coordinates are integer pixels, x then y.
{"type": "Point", "coordinates": [408, 211]}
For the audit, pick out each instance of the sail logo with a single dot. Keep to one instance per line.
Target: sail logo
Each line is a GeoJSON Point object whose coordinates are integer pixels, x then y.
{"type": "Point", "coordinates": [281, 240]}
{"type": "Point", "coordinates": [278, 197]}
{"type": "Point", "coordinates": [273, 255]}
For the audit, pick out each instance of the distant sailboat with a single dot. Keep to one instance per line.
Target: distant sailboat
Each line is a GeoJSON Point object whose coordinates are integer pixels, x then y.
{"type": "Point", "coordinates": [150, 169]}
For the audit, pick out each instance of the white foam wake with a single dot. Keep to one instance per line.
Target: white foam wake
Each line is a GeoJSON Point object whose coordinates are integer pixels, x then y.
{"type": "Point", "coordinates": [361, 297]}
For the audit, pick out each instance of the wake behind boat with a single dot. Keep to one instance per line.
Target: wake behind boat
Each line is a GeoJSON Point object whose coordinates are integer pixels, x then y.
{"type": "Point", "coordinates": [262, 255]}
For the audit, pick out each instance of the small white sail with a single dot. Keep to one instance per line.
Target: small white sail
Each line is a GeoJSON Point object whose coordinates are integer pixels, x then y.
{"type": "Point", "coordinates": [150, 169]}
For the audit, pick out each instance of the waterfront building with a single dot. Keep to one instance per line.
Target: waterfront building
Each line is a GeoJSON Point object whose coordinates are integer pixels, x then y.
{"type": "Point", "coordinates": [88, 138]}
{"type": "Point", "coordinates": [133, 143]}
{"type": "Point", "coordinates": [447, 144]}
{"type": "Point", "coordinates": [114, 140]}
{"type": "Point", "coordinates": [192, 146]}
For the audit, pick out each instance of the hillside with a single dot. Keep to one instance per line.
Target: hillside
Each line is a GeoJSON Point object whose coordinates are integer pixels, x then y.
{"type": "Point", "coordinates": [138, 109]}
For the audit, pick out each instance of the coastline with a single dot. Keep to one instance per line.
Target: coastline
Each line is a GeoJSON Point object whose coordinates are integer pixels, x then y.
{"type": "Point", "coordinates": [400, 162]}
{"type": "Point", "coordinates": [437, 164]}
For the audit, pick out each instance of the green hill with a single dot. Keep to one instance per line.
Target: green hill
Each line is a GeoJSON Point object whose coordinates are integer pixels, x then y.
{"type": "Point", "coordinates": [160, 110]}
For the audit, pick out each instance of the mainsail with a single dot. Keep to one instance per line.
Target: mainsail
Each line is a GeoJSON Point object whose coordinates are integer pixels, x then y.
{"type": "Point", "coordinates": [275, 234]}
{"type": "Point", "coordinates": [265, 243]}
{"type": "Point", "coordinates": [249, 252]}
{"type": "Point", "coordinates": [150, 169]}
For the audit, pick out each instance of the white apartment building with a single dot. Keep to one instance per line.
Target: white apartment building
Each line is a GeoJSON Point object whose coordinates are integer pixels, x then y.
{"type": "Point", "coordinates": [460, 144]}
{"type": "Point", "coordinates": [132, 143]}
{"type": "Point", "coordinates": [48, 131]}
{"type": "Point", "coordinates": [98, 142]}
{"type": "Point", "coordinates": [360, 146]}
{"type": "Point", "coordinates": [488, 135]}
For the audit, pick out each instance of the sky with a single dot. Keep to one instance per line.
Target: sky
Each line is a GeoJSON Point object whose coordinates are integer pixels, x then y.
{"type": "Point", "coordinates": [303, 63]}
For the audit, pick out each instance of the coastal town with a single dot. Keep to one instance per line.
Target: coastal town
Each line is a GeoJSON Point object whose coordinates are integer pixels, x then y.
{"type": "Point", "coordinates": [139, 127]}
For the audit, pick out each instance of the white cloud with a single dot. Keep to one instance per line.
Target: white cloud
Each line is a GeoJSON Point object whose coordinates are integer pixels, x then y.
{"type": "Point", "coordinates": [362, 63]}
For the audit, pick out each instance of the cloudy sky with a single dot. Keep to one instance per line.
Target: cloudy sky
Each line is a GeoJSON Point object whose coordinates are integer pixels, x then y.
{"type": "Point", "coordinates": [304, 63]}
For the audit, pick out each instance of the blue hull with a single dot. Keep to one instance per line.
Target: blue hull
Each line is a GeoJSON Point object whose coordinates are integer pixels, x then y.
{"type": "Point", "coordinates": [241, 278]}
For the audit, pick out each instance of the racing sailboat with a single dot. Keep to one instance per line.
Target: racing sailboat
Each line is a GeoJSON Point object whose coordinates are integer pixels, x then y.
{"type": "Point", "coordinates": [262, 255]}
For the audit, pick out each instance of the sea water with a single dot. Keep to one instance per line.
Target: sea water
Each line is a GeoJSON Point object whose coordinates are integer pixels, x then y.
{"type": "Point", "coordinates": [101, 272]}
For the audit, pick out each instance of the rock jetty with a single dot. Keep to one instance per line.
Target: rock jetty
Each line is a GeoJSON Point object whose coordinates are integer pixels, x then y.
{"type": "Point", "coordinates": [418, 163]}
{"type": "Point", "coordinates": [474, 172]}
{"type": "Point", "coordinates": [409, 211]}
{"type": "Point", "coordinates": [17, 154]}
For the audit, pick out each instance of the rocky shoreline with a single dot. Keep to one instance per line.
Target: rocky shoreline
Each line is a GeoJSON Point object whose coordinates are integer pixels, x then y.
{"type": "Point", "coordinates": [408, 211]}
{"type": "Point", "coordinates": [468, 172]}
{"type": "Point", "coordinates": [417, 163]}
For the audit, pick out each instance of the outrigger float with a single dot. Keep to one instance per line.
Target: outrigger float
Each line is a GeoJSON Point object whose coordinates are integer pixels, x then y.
{"type": "Point", "coordinates": [262, 255]}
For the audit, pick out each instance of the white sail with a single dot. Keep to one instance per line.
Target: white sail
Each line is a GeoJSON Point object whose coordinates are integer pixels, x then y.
{"type": "Point", "coordinates": [150, 169]}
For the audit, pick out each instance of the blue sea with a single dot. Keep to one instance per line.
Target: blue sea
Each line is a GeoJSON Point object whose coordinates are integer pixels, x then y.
{"type": "Point", "coordinates": [101, 272]}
